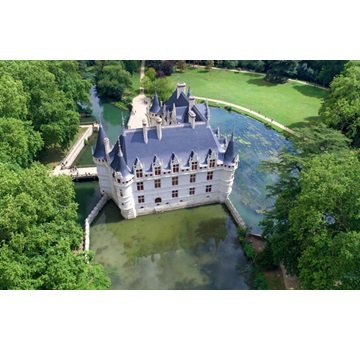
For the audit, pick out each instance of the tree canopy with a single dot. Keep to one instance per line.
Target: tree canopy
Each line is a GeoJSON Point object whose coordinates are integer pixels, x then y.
{"type": "Point", "coordinates": [341, 109]}
{"type": "Point", "coordinates": [39, 236]}
{"type": "Point", "coordinates": [45, 93]}
{"type": "Point", "coordinates": [316, 210]}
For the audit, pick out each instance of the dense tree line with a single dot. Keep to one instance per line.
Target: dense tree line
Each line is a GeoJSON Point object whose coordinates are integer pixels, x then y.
{"type": "Point", "coordinates": [314, 225]}
{"type": "Point", "coordinates": [39, 235]}
{"type": "Point", "coordinates": [278, 71]}
{"type": "Point", "coordinates": [111, 77]}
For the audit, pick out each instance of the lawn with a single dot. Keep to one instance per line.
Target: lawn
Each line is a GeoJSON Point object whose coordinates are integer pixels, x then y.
{"type": "Point", "coordinates": [292, 104]}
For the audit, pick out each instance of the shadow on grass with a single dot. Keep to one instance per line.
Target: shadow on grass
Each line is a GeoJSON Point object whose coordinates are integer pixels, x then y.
{"type": "Point", "coordinates": [260, 81]}
{"type": "Point", "coordinates": [311, 91]}
{"type": "Point", "coordinates": [307, 122]}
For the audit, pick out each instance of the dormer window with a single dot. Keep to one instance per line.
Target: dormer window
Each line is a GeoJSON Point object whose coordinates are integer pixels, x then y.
{"type": "Point", "coordinates": [157, 170]}
{"type": "Point", "coordinates": [194, 165]}
{"type": "Point", "coordinates": [212, 163]}
{"type": "Point", "coordinates": [139, 173]}
{"type": "Point", "coordinates": [175, 168]}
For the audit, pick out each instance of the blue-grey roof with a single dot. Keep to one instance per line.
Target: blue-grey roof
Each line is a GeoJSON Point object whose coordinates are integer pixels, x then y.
{"type": "Point", "coordinates": [99, 151]}
{"type": "Point", "coordinates": [155, 105]}
{"type": "Point", "coordinates": [180, 140]}
{"type": "Point", "coordinates": [183, 100]}
{"type": "Point", "coordinates": [119, 165]}
{"type": "Point", "coordinates": [230, 153]}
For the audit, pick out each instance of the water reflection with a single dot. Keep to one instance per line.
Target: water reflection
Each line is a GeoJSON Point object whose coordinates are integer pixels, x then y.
{"type": "Point", "coordinates": [184, 249]}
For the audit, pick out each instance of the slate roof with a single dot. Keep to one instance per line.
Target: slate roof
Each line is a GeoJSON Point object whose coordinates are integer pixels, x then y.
{"type": "Point", "coordinates": [230, 153]}
{"type": "Point", "coordinates": [99, 151]}
{"type": "Point", "coordinates": [155, 105]}
{"type": "Point", "coordinates": [119, 164]}
{"type": "Point", "coordinates": [178, 139]}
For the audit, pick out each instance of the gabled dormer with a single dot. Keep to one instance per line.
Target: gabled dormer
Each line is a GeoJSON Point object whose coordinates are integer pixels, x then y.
{"type": "Point", "coordinates": [211, 158]}
{"type": "Point", "coordinates": [193, 161]}
{"type": "Point", "coordinates": [138, 169]}
{"type": "Point", "coordinates": [174, 163]}
{"type": "Point", "coordinates": [156, 166]}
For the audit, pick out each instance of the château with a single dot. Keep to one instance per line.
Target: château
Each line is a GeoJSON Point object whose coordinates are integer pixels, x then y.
{"type": "Point", "coordinates": [174, 161]}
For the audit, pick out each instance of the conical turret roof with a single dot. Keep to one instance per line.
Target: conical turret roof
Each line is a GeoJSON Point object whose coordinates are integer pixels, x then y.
{"type": "Point", "coordinates": [99, 151]}
{"type": "Point", "coordinates": [155, 105]}
{"type": "Point", "coordinates": [119, 165]}
{"type": "Point", "coordinates": [230, 152]}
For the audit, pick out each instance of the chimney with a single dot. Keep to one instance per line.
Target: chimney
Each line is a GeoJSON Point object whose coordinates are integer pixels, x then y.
{"type": "Point", "coordinates": [192, 117]}
{"type": "Point", "coordinates": [145, 130]}
{"type": "Point", "coordinates": [158, 127]}
{"type": "Point", "coordinates": [191, 102]}
{"type": "Point", "coordinates": [180, 88]}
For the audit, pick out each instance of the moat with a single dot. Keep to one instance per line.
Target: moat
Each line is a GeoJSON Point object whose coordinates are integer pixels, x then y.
{"type": "Point", "coordinates": [184, 249]}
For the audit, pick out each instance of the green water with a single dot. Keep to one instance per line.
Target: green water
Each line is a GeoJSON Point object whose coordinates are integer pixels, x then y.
{"type": "Point", "coordinates": [111, 118]}
{"type": "Point", "coordinates": [193, 248]}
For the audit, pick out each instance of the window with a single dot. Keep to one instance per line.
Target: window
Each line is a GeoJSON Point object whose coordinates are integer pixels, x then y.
{"type": "Point", "coordinates": [194, 165]}
{"type": "Point", "coordinates": [140, 186]}
{"type": "Point", "coordinates": [139, 173]}
{"type": "Point", "coordinates": [175, 193]}
{"type": "Point", "coordinates": [121, 193]}
{"type": "Point", "coordinates": [141, 199]}
{"type": "Point", "coordinates": [157, 183]}
{"type": "Point", "coordinates": [175, 180]}
{"type": "Point", "coordinates": [209, 175]}
{"type": "Point", "coordinates": [212, 163]}
{"type": "Point", "coordinates": [192, 191]}
{"type": "Point", "coordinates": [175, 168]}
{"type": "Point", "coordinates": [192, 178]}
{"type": "Point", "coordinates": [157, 170]}
{"type": "Point", "coordinates": [208, 188]}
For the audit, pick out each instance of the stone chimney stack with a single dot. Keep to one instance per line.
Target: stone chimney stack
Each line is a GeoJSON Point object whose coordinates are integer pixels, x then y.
{"type": "Point", "coordinates": [145, 133]}
{"type": "Point", "coordinates": [192, 117]}
{"type": "Point", "coordinates": [180, 88]}
{"type": "Point", "coordinates": [158, 127]}
{"type": "Point", "coordinates": [191, 102]}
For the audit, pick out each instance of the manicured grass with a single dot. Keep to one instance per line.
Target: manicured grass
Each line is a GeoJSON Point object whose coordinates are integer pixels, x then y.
{"type": "Point", "coordinates": [136, 83]}
{"type": "Point", "coordinates": [292, 104]}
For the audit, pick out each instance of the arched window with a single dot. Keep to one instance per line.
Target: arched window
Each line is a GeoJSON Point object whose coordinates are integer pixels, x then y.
{"type": "Point", "coordinates": [158, 200]}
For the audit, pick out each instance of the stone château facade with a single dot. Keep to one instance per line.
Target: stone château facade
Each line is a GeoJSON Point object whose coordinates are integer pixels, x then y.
{"type": "Point", "coordinates": [177, 161]}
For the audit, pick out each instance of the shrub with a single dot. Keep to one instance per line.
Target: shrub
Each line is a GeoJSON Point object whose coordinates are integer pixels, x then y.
{"type": "Point", "coordinates": [259, 280]}
{"type": "Point", "coordinates": [248, 249]}
{"type": "Point", "coordinates": [265, 259]}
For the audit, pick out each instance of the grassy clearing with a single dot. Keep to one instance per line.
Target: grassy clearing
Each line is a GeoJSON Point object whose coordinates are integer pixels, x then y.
{"type": "Point", "coordinates": [292, 104]}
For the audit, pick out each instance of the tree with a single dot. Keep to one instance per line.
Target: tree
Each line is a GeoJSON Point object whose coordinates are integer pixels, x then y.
{"type": "Point", "coordinates": [330, 187]}
{"type": "Point", "coordinates": [164, 87]}
{"type": "Point", "coordinates": [52, 90]}
{"type": "Point", "coordinates": [12, 98]}
{"type": "Point", "coordinates": [168, 67]}
{"type": "Point", "coordinates": [209, 65]}
{"type": "Point", "coordinates": [39, 236]}
{"type": "Point", "coordinates": [19, 142]}
{"type": "Point", "coordinates": [341, 109]}
{"type": "Point", "coordinates": [181, 65]}
{"type": "Point", "coordinates": [113, 81]}
{"type": "Point", "coordinates": [132, 66]}
{"type": "Point", "coordinates": [279, 71]}
{"type": "Point", "coordinates": [151, 73]}
{"type": "Point", "coordinates": [230, 64]}
{"type": "Point", "coordinates": [293, 161]}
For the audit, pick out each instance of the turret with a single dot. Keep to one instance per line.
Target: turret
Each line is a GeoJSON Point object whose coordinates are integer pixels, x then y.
{"type": "Point", "coordinates": [155, 105]}
{"type": "Point", "coordinates": [102, 148]}
{"type": "Point", "coordinates": [230, 153]}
